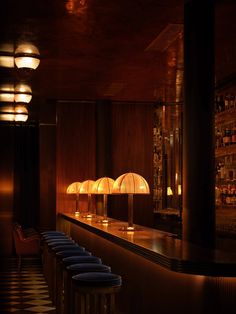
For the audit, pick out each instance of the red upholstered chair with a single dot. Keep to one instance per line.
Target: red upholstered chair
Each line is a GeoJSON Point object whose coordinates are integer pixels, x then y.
{"type": "Point", "coordinates": [25, 245]}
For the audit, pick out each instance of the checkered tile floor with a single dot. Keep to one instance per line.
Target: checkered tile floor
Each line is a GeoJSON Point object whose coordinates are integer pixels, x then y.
{"type": "Point", "coordinates": [25, 291]}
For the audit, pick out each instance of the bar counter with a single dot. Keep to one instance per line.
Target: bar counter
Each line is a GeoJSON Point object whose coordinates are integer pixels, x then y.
{"type": "Point", "coordinates": [161, 247]}
{"type": "Point", "coordinates": [160, 273]}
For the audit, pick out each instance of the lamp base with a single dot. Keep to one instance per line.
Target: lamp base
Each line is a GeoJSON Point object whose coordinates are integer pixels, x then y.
{"type": "Point", "coordinates": [130, 229]}
{"type": "Point", "coordinates": [88, 216]}
{"type": "Point", "coordinates": [104, 221]}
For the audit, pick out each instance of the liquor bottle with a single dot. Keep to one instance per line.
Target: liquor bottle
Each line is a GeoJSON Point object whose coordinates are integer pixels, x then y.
{"type": "Point", "coordinates": [221, 103]}
{"type": "Point", "coordinates": [227, 101]}
{"type": "Point", "coordinates": [233, 138]}
{"type": "Point", "coordinates": [232, 101]}
{"type": "Point", "coordinates": [227, 137]}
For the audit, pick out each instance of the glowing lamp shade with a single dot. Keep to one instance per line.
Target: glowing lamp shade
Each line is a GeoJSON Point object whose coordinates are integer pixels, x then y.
{"type": "Point", "coordinates": [21, 113]}
{"type": "Point", "coordinates": [74, 188]}
{"type": "Point", "coordinates": [87, 188]}
{"type": "Point", "coordinates": [27, 56]}
{"type": "Point", "coordinates": [7, 92]}
{"type": "Point", "coordinates": [103, 186]}
{"type": "Point", "coordinates": [130, 183]}
{"type": "Point", "coordinates": [13, 113]}
{"type": "Point", "coordinates": [23, 93]}
{"type": "Point", "coordinates": [7, 55]}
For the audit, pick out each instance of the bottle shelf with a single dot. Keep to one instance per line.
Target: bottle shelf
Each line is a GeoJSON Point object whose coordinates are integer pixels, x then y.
{"type": "Point", "coordinates": [226, 150]}
{"type": "Point", "coordinates": [225, 117]}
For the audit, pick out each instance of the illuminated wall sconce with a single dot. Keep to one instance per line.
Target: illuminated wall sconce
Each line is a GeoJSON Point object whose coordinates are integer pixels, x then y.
{"type": "Point", "coordinates": [27, 56]}
{"type": "Point", "coordinates": [74, 188]}
{"type": "Point", "coordinates": [87, 188]}
{"type": "Point", "coordinates": [103, 186]}
{"type": "Point", "coordinates": [23, 93]}
{"type": "Point", "coordinates": [7, 55]}
{"type": "Point", "coordinates": [7, 93]}
{"type": "Point", "coordinates": [130, 183]}
{"type": "Point", "coordinates": [18, 113]}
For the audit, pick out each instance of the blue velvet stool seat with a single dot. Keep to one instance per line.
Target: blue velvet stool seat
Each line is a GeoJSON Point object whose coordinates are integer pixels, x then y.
{"type": "Point", "coordinates": [95, 292]}
{"type": "Point", "coordinates": [67, 274]}
{"type": "Point", "coordinates": [58, 278]}
{"type": "Point", "coordinates": [49, 268]}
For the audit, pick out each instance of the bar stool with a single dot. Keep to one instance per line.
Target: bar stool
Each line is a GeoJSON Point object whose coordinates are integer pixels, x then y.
{"type": "Point", "coordinates": [47, 260]}
{"type": "Point", "coordinates": [66, 276]}
{"type": "Point", "coordinates": [58, 279]}
{"type": "Point", "coordinates": [49, 268]}
{"type": "Point", "coordinates": [95, 292]}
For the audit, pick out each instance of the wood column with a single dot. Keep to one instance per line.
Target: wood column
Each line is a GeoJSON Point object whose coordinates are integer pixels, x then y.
{"type": "Point", "coordinates": [198, 128]}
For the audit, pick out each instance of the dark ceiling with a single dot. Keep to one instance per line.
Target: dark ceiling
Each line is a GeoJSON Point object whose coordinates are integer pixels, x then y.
{"type": "Point", "coordinates": [104, 48]}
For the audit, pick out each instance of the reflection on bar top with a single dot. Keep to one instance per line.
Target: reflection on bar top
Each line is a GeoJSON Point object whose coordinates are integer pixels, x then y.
{"type": "Point", "coordinates": [162, 247]}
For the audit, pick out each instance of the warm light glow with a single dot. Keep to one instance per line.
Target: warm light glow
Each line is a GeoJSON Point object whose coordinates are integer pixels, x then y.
{"type": "Point", "coordinates": [73, 188]}
{"type": "Point", "coordinates": [169, 191]}
{"type": "Point", "coordinates": [6, 55]}
{"type": "Point", "coordinates": [23, 93]}
{"type": "Point", "coordinates": [179, 189]}
{"type": "Point", "coordinates": [103, 186]}
{"type": "Point", "coordinates": [130, 183]}
{"type": "Point", "coordinates": [86, 187]}
{"type": "Point", "coordinates": [7, 93]}
{"type": "Point", "coordinates": [11, 113]}
{"type": "Point", "coordinates": [27, 56]}
{"type": "Point", "coordinates": [7, 61]}
{"type": "Point", "coordinates": [21, 113]}
{"type": "Point", "coordinates": [7, 113]}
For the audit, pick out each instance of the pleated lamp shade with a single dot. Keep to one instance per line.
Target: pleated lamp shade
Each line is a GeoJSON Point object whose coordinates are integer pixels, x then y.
{"type": "Point", "coordinates": [103, 185]}
{"type": "Point", "coordinates": [130, 183]}
{"type": "Point", "coordinates": [73, 188]}
{"type": "Point", "coordinates": [86, 187]}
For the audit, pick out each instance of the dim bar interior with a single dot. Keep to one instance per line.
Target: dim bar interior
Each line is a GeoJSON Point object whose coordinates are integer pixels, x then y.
{"type": "Point", "coordinates": [138, 99]}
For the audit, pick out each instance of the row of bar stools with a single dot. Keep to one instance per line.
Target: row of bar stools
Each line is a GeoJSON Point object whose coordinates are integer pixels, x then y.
{"type": "Point", "coordinates": [71, 248]}
{"type": "Point", "coordinates": [59, 271]}
{"type": "Point", "coordinates": [67, 303]}
{"type": "Point", "coordinates": [95, 292]}
{"type": "Point", "coordinates": [66, 261]}
{"type": "Point", "coordinates": [49, 266]}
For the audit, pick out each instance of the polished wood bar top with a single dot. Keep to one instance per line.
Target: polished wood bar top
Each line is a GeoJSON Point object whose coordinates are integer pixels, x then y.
{"type": "Point", "coordinates": [161, 247]}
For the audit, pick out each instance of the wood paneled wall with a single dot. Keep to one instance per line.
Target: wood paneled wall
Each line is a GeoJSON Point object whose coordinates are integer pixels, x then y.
{"type": "Point", "coordinates": [76, 150]}
{"type": "Point", "coordinates": [80, 127]}
{"type": "Point", "coordinates": [132, 151]}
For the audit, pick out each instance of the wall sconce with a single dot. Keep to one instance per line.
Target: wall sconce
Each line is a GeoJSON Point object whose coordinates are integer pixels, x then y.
{"type": "Point", "coordinates": [74, 188]}
{"type": "Point", "coordinates": [87, 188]}
{"type": "Point", "coordinates": [18, 113]}
{"type": "Point", "coordinates": [7, 93]}
{"type": "Point", "coordinates": [27, 56]}
{"type": "Point", "coordinates": [130, 183]}
{"type": "Point", "coordinates": [103, 186]}
{"type": "Point", "coordinates": [23, 93]}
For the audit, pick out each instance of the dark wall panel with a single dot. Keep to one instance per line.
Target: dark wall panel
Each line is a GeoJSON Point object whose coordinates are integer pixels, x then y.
{"type": "Point", "coordinates": [132, 149]}
{"type": "Point", "coordinates": [6, 189]}
{"type": "Point", "coordinates": [76, 150]}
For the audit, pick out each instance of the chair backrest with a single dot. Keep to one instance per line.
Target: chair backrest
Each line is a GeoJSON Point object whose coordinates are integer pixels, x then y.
{"type": "Point", "coordinates": [25, 246]}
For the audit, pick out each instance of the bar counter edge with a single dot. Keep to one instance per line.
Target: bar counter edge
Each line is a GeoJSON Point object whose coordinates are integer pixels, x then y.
{"type": "Point", "coordinates": [161, 248]}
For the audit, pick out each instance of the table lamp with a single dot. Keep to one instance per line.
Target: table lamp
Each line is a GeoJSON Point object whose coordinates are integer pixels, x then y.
{"type": "Point", "coordinates": [74, 188]}
{"type": "Point", "coordinates": [86, 188]}
{"type": "Point", "coordinates": [130, 183]}
{"type": "Point", "coordinates": [103, 186]}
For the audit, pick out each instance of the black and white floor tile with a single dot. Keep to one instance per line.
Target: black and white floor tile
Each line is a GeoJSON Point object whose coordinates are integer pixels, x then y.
{"type": "Point", "coordinates": [25, 291]}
